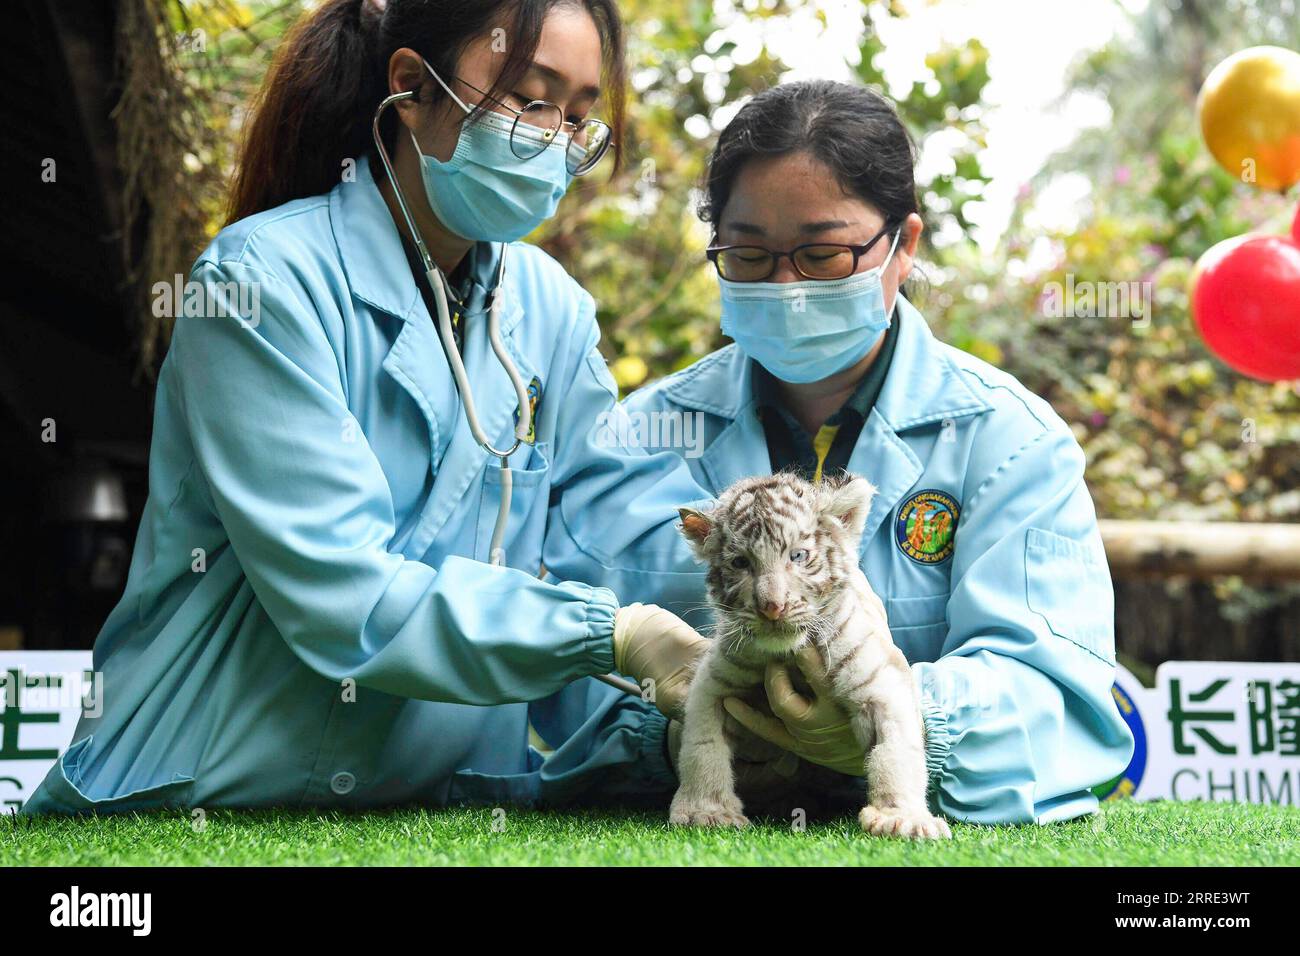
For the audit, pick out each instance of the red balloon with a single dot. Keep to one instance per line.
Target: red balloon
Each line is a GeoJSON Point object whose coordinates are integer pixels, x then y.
{"type": "Point", "coordinates": [1246, 302]}
{"type": "Point", "coordinates": [1295, 226]}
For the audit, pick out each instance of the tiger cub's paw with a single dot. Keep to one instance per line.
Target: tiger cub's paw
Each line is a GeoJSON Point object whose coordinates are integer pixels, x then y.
{"type": "Point", "coordinates": [691, 811]}
{"type": "Point", "coordinates": [902, 823]}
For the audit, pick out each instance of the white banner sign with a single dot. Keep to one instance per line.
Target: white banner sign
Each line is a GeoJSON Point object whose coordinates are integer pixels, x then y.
{"type": "Point", "coordinates": [42, 695]}
{"type": "Point", "coordinates": [1212, 731]}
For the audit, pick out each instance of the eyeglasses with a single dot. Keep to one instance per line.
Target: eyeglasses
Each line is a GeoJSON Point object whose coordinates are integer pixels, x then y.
{"type": "Point", "coordinates": [814, 260]}
{"type": "Point", "coordinates": [538, 124]}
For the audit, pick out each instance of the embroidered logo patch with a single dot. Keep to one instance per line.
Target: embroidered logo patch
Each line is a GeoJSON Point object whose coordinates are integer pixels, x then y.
{"type": "Point", "coordinates": [925, 525]}
{"type": "Point", "coordinates": [534, 403]}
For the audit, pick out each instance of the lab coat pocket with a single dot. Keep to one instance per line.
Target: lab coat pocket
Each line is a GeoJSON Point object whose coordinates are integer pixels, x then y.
{"type": "Point", "coordinates": [526, 525]}
{"type": "Point", "coordinates": [1068, 584]}
{"type": "Point", "coordinates": [64, 791]}
{"type": "Point", "coordinates": [918, 625]}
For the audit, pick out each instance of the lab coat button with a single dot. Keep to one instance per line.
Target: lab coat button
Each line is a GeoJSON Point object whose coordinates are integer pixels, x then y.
{"type": "Point", "coordinates": [342, 783]}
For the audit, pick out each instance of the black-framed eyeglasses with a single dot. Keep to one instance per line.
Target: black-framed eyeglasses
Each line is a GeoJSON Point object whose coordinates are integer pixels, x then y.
{"type": "Point", "coordinates": [813, 260]}
{"type": "Point", "coordinates": [538, 125]}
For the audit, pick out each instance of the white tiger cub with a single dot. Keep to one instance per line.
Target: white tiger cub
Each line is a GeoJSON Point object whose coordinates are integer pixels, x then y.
{"type": "Point", "coordinates": [782, 557]}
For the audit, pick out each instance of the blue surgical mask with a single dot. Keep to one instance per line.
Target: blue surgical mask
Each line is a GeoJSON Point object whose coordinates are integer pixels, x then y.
{"type": "Point", "coordinates": [809, 330]}
{"type": "Point", "coordinates": [485, 191]}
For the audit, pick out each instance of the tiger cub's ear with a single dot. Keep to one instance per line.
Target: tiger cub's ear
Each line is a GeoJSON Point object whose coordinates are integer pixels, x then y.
{"type": "Point", "coordinates": [696, 526]}
{"type": "Point", "coordinates": [847, 500]}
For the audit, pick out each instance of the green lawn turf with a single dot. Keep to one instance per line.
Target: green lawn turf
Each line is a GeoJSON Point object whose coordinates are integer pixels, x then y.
{"type": "Point", "coordinates": [1122, 834]}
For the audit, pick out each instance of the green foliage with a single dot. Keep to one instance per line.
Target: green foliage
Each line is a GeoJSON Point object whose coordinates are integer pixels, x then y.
{"type": "Point", "coordinates": [950, 102]}
{"type": "Point", "coordinates": [1169, 431]}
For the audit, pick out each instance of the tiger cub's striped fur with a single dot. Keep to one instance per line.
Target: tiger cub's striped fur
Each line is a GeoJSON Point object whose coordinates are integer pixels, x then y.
{"type": "Point", "coordinates": [783, 571]}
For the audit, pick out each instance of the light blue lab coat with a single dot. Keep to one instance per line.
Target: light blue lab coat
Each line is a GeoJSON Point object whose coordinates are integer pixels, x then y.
{"type": "Point", "coordinates": [308, 618]}
{"type": "Point", "coordinates": [1011, 637]}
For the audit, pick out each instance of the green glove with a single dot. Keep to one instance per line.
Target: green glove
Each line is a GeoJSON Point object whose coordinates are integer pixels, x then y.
{"type": "Point", "coordinates": [816, 728]}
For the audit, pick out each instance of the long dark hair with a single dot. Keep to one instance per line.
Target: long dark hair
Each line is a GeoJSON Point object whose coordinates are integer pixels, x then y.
{"type": "Point", "coordinates": [853, 130]}
{"type": "Point", "coordinates": [318, 99]}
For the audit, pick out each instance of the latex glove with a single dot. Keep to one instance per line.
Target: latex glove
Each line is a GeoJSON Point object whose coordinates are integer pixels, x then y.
{"type": "Point", "coordinates": [814, 727]}
{"type": "Point", "coordinates": [651, 644]}
{"type": "Point", "coordinates": [761, 768]}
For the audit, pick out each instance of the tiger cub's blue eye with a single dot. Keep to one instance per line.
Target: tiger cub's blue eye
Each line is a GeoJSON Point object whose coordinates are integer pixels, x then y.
{"type": "Point", "coordinates": [740, 562]}
{"type": "Point", "coordinates": [799, 555]}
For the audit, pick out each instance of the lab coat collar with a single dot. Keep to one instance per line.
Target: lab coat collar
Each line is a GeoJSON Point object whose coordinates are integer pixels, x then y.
{"type": "Point", "coordinates": [722, 384]}
{"type": "Point", "coordinates": [418, 363]}
{"type": "Point", "coordinates": [494, 397]}
{"type": "Point", "coordinates": [373, 258]}
{"type": "Point", "coordinates": [924, 384]}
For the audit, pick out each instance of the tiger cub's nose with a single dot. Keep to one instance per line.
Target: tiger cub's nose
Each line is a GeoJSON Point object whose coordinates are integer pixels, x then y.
{"type": "Point", "coordinates": [772, 610]}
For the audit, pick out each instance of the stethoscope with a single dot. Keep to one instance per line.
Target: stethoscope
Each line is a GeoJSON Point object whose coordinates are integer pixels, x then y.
{"type": "Point", "coordinates": [441, 289]}
{"type": "Point", "coordinates": [437, 280]}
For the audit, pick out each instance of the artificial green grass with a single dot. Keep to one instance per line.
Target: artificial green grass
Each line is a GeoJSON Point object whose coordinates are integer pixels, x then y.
{"type": "Point", "coordinates": [1121, 834]}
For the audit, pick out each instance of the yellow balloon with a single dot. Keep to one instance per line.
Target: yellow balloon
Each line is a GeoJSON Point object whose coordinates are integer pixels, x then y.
{"type": "Point", "coordinates": [1249, 109]}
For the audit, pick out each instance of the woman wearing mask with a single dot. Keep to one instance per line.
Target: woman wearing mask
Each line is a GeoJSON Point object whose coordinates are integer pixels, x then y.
{"type": "Point", "coordinates": [311, 616]}
{"type": "Point", "coordinates": [982, 540]}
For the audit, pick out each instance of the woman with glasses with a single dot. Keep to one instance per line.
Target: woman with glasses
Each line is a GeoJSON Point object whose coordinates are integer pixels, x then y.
{"type": "Point", "coordinates": [311, 616]}
{"type": "Point", "coordinates": [982, 540]}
